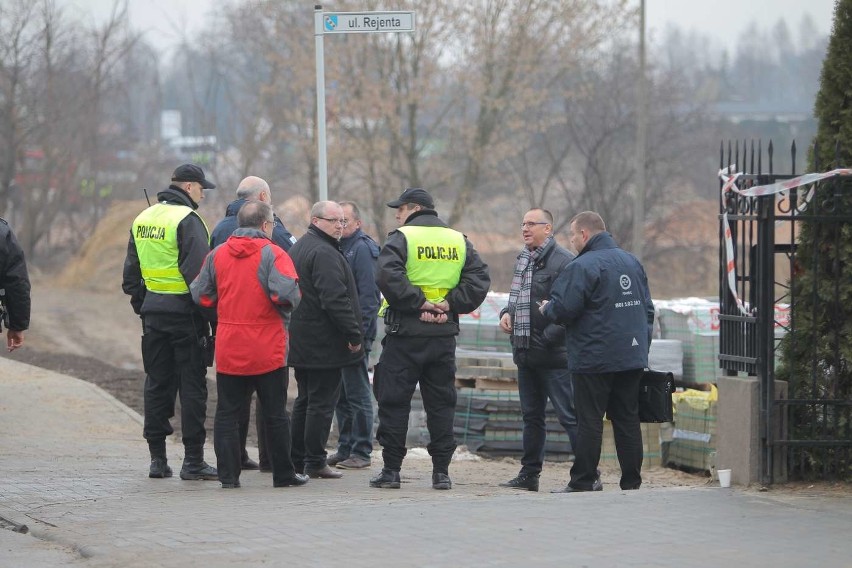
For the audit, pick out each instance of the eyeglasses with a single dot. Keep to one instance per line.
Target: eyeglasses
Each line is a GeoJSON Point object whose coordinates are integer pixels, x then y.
{"type": "Point", "coordinates": [531, 224]}
{"type": "Point", "coordinates": [341, 222]}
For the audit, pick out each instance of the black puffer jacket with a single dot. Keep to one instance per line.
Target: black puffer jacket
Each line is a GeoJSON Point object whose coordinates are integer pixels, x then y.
{"type": "Point", "coordinates": [329, 316]}
{"type": "Point", "coordinates": [14, 279]}
{"type": "Point", "coordinates": [547, 348]}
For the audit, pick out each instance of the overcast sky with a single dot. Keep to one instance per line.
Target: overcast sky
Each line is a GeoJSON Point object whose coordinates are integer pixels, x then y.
{"type": "Point", "coordinates": [165, 20]}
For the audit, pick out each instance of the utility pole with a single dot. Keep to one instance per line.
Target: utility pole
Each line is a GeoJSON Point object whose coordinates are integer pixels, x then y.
{"type": "Point", "coordinates": [641, 143]}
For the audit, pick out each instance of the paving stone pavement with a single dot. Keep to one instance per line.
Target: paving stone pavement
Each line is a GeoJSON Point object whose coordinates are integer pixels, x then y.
{"type": "Point", "coordinates": [73, 469]}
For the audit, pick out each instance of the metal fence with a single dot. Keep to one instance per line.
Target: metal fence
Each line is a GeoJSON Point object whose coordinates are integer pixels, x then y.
{"type": "Point", "coordinates": [762, 286]}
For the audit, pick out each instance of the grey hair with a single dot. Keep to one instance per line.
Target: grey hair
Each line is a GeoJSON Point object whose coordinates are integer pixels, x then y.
{"type": "Point", "coordinates": [251, 187]}
{"type": "Point", "coordinates": [319, 208]}
{"type": "Point", "coordinates": [253, 213]}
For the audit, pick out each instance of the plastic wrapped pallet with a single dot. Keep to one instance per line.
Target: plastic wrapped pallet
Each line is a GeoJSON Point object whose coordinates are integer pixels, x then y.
{"type": "Point", "coordinates": [693, 442]}
{"type": "Point", "coordinates": [694, 322]}
{"type": "Point", "coordinates": [667, 355]}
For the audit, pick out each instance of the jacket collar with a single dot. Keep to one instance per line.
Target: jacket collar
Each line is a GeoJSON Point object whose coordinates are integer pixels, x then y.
{"type": "Point", "coordinates": [174, 194]}
{"type": "Point", "coordinates": [548, 248]}
{"type": "Point", "coordinates": [353, 237]}
{"type": "Point", "coordinates": [420, 213]}
{"type": "Point", "coordinates": [314, 230]}
{"type": "Point", "coordinates": [601, 241]}
{"type": "Point", "coordinates": [234, 207]}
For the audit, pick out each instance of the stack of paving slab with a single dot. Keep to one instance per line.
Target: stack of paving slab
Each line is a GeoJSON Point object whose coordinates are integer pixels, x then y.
{"type": "Point", "coordinates": [480, 329]}
{"type": "Point", "coordinates": [490, 422]}
{"type": "Point", "coordinates": [695, 323]}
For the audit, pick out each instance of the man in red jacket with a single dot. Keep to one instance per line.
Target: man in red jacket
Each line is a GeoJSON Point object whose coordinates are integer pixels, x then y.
{"type": "Point", "coordinates": [254, 287]}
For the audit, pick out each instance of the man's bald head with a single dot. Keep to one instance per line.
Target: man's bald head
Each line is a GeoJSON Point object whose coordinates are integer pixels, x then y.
{"type": "Point", "coordinates": [254, 187]}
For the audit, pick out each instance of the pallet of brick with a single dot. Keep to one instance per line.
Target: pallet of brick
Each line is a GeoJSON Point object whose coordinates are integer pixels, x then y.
{"type": "Point", "coordinates": [651, 447]}
{"type": "Point", "coordinates": [693, 437]}
{"type": "Point", "coordinates": [485, 370]}
{"type": "Point", "coordinates": [480, 329]}
{"type": "Point", "coordinates": [491, 422]}
{"type": "Point", "coordinates": [667, 355]}
{"type": "Point", "coordinates": [496, 443]}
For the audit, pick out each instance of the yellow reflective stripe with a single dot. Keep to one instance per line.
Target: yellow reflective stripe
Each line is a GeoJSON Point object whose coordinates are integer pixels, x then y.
{"type": "Point", "coordinates": [166, 286]}
{"type": "Point", "coordinates": [434, 294]}
{"type": "Point", "coordinates": [160, 273]}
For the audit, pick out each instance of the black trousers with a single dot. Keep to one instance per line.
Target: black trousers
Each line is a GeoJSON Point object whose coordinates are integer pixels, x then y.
{"type": "Point", "coordinates": [260, 424]}
{"type": "Point", "coordinates": [313, 411]}
{"type": "Point", "coordinates": [617, 395]}
{"type": "Point", "coordinates": [404, 362]}
{"type": "Point", "coordinates": [174, 364]}
{"type": "Point", "coordinates": [233, 391]}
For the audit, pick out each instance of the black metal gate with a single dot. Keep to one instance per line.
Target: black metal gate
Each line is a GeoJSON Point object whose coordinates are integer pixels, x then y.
{"type": "Point", "coordinates": [760, 282]}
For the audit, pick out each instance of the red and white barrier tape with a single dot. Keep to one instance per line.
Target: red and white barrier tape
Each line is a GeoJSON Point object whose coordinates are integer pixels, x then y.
{"type": "Point", "coordinates": [730, 184]}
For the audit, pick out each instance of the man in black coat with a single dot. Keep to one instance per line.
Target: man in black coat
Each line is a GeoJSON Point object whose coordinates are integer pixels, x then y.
{"type": "Point", "coordinates": [15, 282]}
{"type": "Point", "coordinates": [252, 187]}
{"type": "Point", "coordinates": [538, 345]}
{"type": "Point", "coordinates": [326, 335]}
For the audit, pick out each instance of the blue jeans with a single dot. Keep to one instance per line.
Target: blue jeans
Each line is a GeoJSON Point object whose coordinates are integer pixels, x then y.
{"type": "Point", "coordinates": [535, 387]}
{"type": "Point", "coordinates": [354, 411]}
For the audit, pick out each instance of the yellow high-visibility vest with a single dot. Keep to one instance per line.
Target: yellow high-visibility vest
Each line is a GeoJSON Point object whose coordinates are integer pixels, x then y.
{"type": "Point", "coordinates": [436, 256]}
{"type": "Point", "coordinates": [155, 236]}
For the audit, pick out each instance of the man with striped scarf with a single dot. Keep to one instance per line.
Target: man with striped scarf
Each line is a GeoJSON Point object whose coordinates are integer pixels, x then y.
{"type": "Point", "coordinates": [538, 346]}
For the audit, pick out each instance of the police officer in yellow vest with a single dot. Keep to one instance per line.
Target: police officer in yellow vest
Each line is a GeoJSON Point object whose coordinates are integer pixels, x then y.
{"type": "Point", "coordinates": [428, 275]}
{"type": "Point", "coordinates": [168, 243]}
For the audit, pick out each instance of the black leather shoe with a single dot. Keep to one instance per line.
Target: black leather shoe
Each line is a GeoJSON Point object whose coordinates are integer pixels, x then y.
{"type": "Point", "coordinates": [249, 463]}
{"type": "Point", "coordinates": [297, 480]}
{"type": "Point", "coordinates": [386, 479]}
{"type": "Point", "coordinates": [231, 485]}
{"type": "Point", "coordinates": [323, 473]}
{"type": "Point", "coordinates": [196, 471]}
{"type": "Point", "coordinates": [441, 481]}
{"type": "Point", "coordinates": [528, 481]}
{"type": "Point", "coordinates": [159, 468]}
{"type": "Point", "coordinates": [596, 486]}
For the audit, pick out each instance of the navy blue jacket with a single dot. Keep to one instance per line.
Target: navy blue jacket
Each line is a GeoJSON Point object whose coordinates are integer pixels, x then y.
{"type": "Point", "coordinates": [602, 298]}
{"type": "Point", "coordinates": [361, 252]}
{"type": "Point", "coordinates": [280, 235]}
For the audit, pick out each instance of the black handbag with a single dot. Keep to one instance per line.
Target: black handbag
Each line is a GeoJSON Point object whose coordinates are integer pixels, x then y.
{"type": "Point", "coordinates": [655, 396]}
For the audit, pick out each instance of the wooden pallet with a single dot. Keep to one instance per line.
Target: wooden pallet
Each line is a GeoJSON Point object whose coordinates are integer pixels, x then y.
{"type": "Point", "coordinates": [486, 383]}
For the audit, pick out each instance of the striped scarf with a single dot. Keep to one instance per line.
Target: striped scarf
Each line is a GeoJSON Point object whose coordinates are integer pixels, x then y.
{"type": "Point", "coordinates": [519, 295]}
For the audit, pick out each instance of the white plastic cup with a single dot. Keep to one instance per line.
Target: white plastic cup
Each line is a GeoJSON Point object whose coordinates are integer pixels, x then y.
{"type": "Point", "coordinates": [724, 477]}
